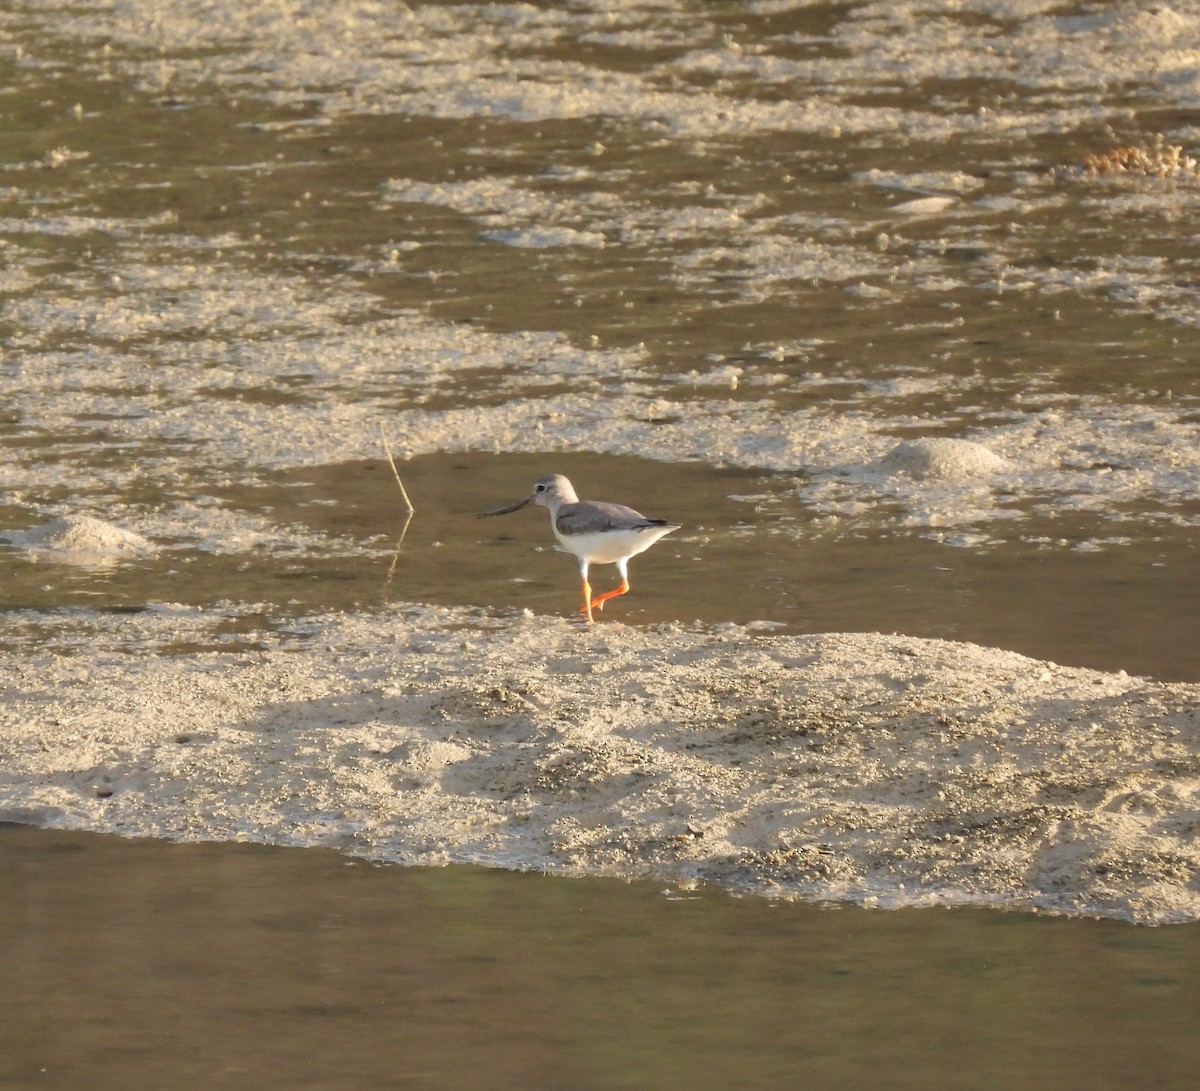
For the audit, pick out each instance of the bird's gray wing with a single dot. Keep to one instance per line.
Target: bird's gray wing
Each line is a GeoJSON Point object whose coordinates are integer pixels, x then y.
{"type": "Point", "coordinates": [595, 517]}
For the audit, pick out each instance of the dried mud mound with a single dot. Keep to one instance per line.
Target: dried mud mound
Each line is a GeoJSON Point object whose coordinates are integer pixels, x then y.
{"type": "Point", "coordinates": [884, 770]}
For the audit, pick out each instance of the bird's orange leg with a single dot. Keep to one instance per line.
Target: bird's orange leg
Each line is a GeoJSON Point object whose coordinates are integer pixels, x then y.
{"type": "Point", "coordinates": [586, 608]}
{"type": "Point", "coordinates": [598, 602]}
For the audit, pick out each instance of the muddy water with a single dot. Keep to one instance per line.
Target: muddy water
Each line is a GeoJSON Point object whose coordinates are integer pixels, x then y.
{"type": "Point", "coordinates": [145, 964]}
{"type": "Point", "coordinates": [735, 560]}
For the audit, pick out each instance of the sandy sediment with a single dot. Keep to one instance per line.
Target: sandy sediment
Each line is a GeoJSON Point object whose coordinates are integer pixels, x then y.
{"type": "Point", "coordinates": [880, 769]}
{"type": "Point", "coordinates": [80, 539]}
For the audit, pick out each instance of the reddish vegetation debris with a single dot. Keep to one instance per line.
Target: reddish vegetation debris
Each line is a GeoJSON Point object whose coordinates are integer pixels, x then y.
{"type": "Point", "coordinates": [1160, 161]}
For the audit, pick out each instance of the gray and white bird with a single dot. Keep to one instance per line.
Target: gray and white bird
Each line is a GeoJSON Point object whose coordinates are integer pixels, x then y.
{"type": "Point", "coordinates": [596, 532]}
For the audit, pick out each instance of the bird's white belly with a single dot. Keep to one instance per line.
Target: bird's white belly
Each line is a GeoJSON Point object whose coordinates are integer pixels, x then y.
{"type": "Point", "coordinates": [608, 547]}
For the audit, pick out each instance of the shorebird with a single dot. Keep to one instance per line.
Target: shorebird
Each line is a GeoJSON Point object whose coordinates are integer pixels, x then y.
{"type": "Point", "coordinates": [597, 533]}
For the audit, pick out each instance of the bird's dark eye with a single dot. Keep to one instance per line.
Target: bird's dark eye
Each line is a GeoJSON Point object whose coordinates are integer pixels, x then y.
{"type": "Point", "coordinates": [539, 488]}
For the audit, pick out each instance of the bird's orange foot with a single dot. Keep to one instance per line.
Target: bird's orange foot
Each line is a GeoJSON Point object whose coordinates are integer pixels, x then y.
{"type": "Point", "coordinates": [598, 602]}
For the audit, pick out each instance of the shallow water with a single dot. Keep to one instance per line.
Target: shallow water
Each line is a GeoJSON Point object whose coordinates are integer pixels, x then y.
{"type": "Point", "coordinates": [734, 561]}
{"type": "Point", "coordinates": [138, 962]}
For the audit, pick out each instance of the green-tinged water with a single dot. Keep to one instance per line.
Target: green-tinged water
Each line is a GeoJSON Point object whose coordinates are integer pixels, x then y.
{"type": "Point", "coordinates": [137, 963]}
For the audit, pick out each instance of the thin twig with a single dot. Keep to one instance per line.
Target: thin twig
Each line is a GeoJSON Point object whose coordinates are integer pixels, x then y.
{"type": "Point", "coordinates": [392, 463]}
{"type": "Point", "coordinates": [396, 553]}
{"type": "Point", "coordinates": [407, 504]}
